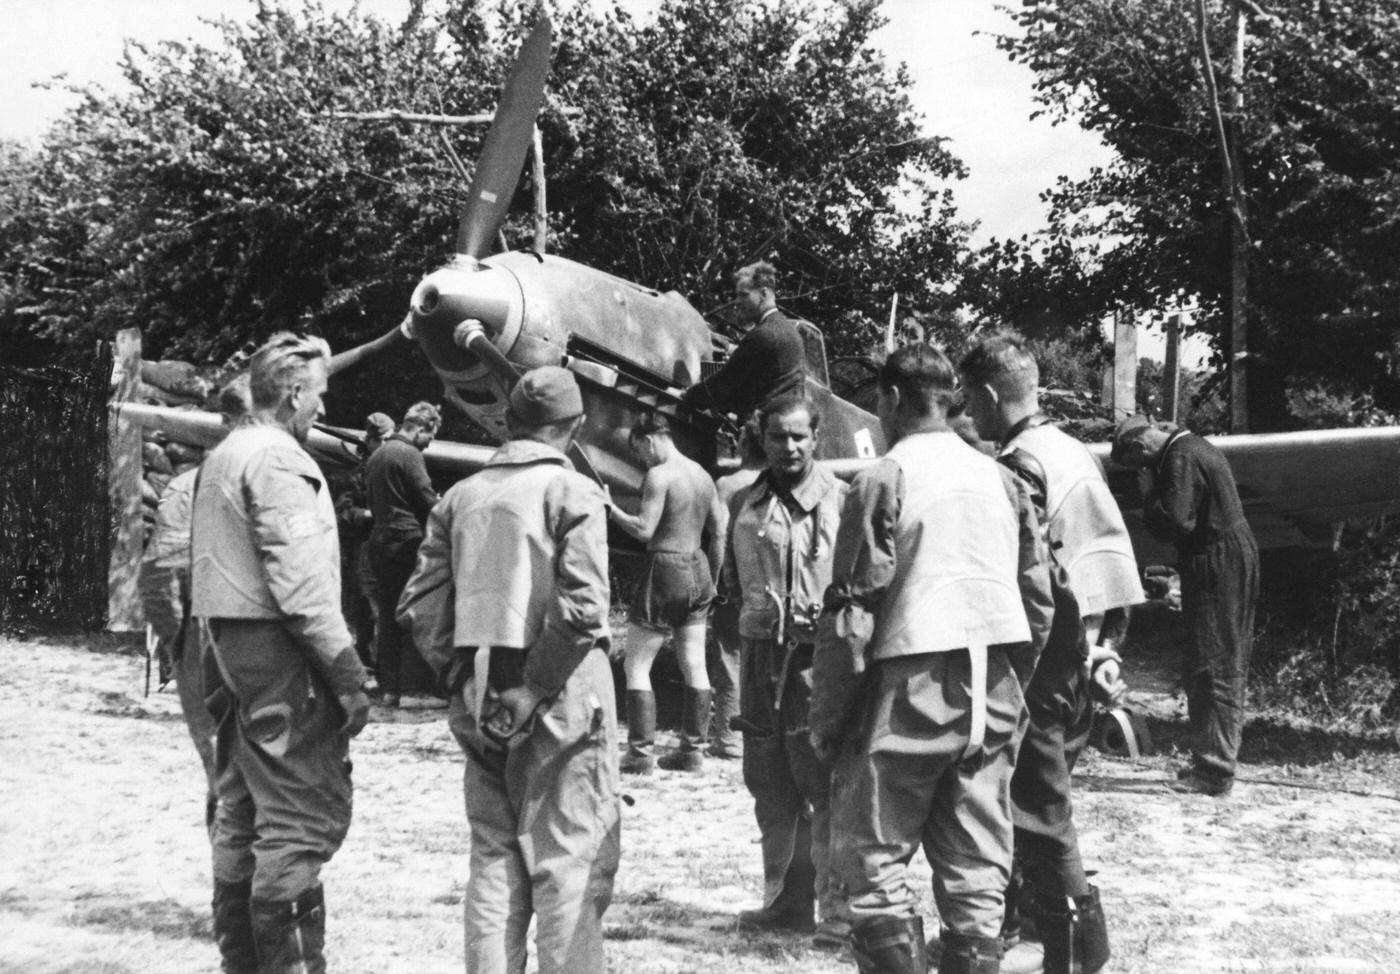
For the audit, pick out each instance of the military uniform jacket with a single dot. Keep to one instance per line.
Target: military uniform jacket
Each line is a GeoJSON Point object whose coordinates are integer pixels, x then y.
{"type": "Point", "coordinates": [515, 557]}
{"type": "Point", "coordinates": [264, 546]}
{"type": "Point", "coordinates": [778, 554]}
{"type": "Point", "coordinates": [1084, 527]}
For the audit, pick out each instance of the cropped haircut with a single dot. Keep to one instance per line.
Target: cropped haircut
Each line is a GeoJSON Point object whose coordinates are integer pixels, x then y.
{"type": "Point", "coordinates": [651, 424]}
{"type": "Point", "coordinates": [281, 363]}
{"type": "Point", "coordinates": [758, 274]}
{"type": "Point", "coordinates": [786, 405]}
{"type": "Point", "coordinates": [422, 416]}
{"type": "Point", "coordinates": [236, 398]}
{"type": "Point", "coordinates": [1002, 362]}
{"type": "Point", "coordinates": [922, 374]}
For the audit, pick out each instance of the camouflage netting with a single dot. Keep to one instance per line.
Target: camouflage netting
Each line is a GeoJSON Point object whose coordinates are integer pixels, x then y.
{"type": "Point", "coordinates": [53, 495]}
{"type": "Point", "coordinates": [182, 386]}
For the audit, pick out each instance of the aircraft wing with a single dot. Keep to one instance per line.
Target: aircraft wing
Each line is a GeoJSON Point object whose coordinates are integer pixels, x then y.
{"type": "Point", "coordinates": [1294, 486]}
{"type": "Point", "coordinates": [329, 444]}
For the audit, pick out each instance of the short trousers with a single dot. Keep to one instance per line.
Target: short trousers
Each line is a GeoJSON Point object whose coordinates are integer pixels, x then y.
{"type": "Point", "coordinates": [676, 590]}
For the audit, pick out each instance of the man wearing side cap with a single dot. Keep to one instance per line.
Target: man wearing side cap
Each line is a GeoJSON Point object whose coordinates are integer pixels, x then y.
{"type": "Point", "coordinates": [509, 604]}
{"type": "Point", "coordinates": [1190, 499]}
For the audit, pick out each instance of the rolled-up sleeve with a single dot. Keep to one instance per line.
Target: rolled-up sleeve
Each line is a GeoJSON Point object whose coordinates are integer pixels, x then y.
{"type": "Point", "coordinates": [863, 567]}
{"type": "Point", "coordinates": [297, 544]}
{"type": "Point", "coordinates": [578, 621]}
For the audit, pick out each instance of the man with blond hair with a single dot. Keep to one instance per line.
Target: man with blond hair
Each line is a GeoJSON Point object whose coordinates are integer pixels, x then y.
{"type": "Point", "coordinates": [1096, 581]}
{"type": "Point", "coordinates": [286, 689]}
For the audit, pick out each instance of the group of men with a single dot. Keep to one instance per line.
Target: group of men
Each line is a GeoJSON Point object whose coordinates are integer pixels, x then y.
{"type": "Point", "coordinates": [915, 656]}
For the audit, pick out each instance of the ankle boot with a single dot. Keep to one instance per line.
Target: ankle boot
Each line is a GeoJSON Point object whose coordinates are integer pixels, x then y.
{"type": "Point", "coordinates": [969, 955]}
{"type": "Point", "coordinates": [1075, 934]}
{"type": "Point", "coordinates": [291, 936]}
{"type": "Point", "coordinates": [233, 927]}
{"type": "Point", "coordinates": [889, 945]}
{"type": "Point", "coordinates": [695, 725]}
{"type": "Point", "coordinates": [641, 732]}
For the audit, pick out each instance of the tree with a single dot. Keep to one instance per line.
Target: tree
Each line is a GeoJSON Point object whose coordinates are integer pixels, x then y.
{"type": "Point", "coordinates": [217, 200]}
{"type": "Point", "coordinates": [1319, 142]}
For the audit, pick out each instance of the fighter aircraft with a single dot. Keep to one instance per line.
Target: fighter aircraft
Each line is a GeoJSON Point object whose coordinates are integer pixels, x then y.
{"type": "Point", "coordinates": [482, 319]}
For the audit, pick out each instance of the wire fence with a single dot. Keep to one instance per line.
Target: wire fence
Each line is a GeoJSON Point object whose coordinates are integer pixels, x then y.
{"type": "Point", "coordinates": [54, 513]}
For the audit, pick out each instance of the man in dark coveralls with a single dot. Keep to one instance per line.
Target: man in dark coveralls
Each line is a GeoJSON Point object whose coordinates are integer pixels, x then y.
{"type": "Point", "coordinates": [400, 497]}
{"type": "Point", "coordinates": [768, 362]}
{"type": "Point", "coordinates": [1190, 499]}
{"type": "Point", "coordinates": [1095, 577]}
{"type": "Point", "coordinates": [286, 687]}
{"type": "Point", "coordinates": [939, 606]}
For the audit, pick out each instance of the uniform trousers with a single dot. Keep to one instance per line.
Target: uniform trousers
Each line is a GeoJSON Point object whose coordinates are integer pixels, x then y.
{"type": "Point", "coordinates": [545, 829]}
{"type": "Point", "coordinates": [282, 768]}
{"type": "Point", "coordinates": [189, 687]}
{"type": "Point", "coordinates": [398, 666]}
{"type": "Point", "coordinates": [903, 780]}
{"type": "Point", "coordinates": [1219, 589]}
{"type": "Point", "coordinates": [791, 787]}
{"type": "Point", "coordinates": [723, 652]}
{"type": "Point", "coordinates": [1061, 717]}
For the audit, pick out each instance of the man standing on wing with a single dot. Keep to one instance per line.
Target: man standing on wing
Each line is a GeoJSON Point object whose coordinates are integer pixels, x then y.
{"type": "Point", "coordinates": [679, 508]}
{"type": "Point", "coordinates": [1096, 581]}
{"type": "Point", "coordinates": [769, 361]}
{"type": "Point", "coordinates": [1190, 499]}
{"type": "Point", "coordinates": [509, 603]}
{"type": "Point", "coordinates": [938, 608]}
{"type": "Point", "coordinates": [265, 579]}
{"type": "Point", "coordinates": [782, 529]}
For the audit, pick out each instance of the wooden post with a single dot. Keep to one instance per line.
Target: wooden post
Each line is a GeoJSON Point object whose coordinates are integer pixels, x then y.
{"type": "Point", "coordinates": [124, 489]}
{"type": "Point", "coordinates": [541, 207]}
{"type": "Point", "coordinates": [1171, 369]}
{"type": "Point", "coordinates": [1239, 235]}
{"type": "Point", "coordinates": [1125, 365]}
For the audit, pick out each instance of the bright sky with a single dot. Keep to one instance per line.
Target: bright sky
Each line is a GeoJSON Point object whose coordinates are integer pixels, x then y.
{"type": "Point", "coordinates": [963, 86]}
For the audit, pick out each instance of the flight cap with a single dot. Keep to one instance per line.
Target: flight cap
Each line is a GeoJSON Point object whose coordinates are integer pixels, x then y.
{"type": "Point", "coordinates": [549, 394]}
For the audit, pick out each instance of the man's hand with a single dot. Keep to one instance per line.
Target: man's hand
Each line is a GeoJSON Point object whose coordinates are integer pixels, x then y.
{"type": "Point", "coordinates": [1145, 481]}
{"type": "Point", "coordinates": [1105, 668]}
{"type": "Point", "coordinates": [356, 707]}
{"type": "Point", "coordinates": [824, 747]}
{"type": "Point", "coordinates": [518, 704]}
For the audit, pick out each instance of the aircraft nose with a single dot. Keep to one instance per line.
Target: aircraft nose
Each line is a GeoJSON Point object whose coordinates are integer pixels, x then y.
{"type": "Point", "coordinates": [459, 292]}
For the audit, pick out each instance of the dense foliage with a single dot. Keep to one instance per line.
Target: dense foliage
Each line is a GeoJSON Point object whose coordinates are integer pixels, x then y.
{"type": "Point", "coordinates": [1319, 138]}
{"type": "Point", "coordinates": [215, 199]}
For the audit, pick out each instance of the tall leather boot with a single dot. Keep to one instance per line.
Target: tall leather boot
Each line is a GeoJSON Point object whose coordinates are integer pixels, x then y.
{"type": "Point", "coordinates": [727, 741]}
{"type": "Point", "coordinates": [969, 955]}
{"type": "Point", "coordinates": [233, 927]}
{"type": "Point", "coordinates": [1075, 934]}
{"type": "Point", "coordinates": [291, 936]}
{"type": "Point", "coordinates": [890, 945]}
{"type": "Point", "coordinates": [641, 733]}
{"type": "Point", "coordinates": [695, 733]}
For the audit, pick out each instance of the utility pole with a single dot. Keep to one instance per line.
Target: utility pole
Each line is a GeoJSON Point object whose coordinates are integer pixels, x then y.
{"type": "Point", "coordinates": [1227, 133]}
{"type": "Point", "coordinates": [1171, 369]}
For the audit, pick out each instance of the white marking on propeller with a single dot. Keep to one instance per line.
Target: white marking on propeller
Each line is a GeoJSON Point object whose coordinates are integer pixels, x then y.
{"type": "Point", "coordinates": [488, 196]}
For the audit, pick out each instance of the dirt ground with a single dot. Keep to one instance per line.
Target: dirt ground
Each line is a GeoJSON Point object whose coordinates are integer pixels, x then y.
{"type": "Point", "coordinates": [103, 858]}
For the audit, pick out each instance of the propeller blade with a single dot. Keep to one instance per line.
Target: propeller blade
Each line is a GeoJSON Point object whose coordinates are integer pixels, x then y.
{"type": "Point", "coordinates": [503, 154]}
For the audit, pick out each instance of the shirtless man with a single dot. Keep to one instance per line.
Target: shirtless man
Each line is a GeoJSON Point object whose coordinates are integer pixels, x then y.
{"type": "Point", "coordinates": [679, 506]}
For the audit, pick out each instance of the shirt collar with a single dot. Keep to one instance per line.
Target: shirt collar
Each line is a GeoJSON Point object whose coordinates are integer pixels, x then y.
{"type": "Point", "coordinates": [806, 494]}
{"type": "Point", "coordinates": [520, 453]}
{"type": "Point", "coordinates": [1023, 424]}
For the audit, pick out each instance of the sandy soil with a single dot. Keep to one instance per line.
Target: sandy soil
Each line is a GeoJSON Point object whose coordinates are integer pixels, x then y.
{"type": "Point", "coordinates": [103, 860]}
